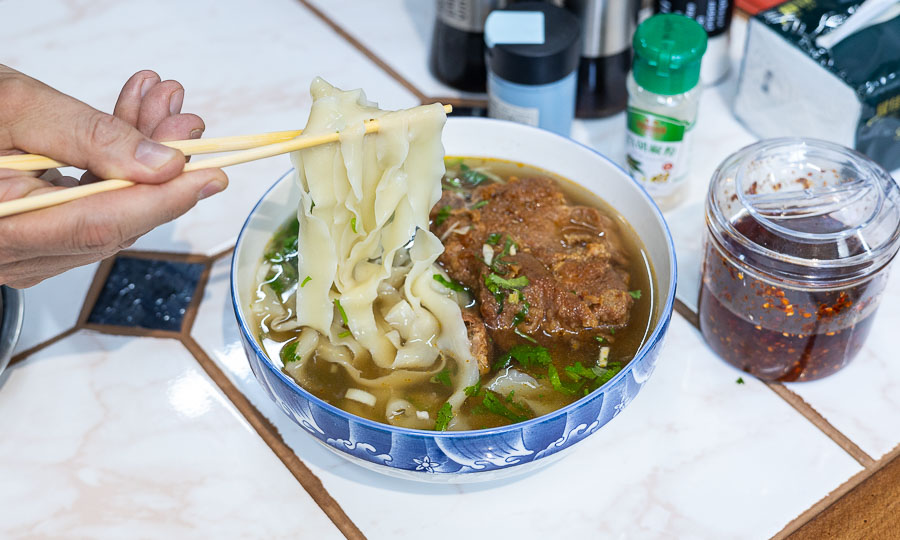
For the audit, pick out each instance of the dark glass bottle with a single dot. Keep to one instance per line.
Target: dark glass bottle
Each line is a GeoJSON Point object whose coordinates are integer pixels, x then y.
{"type": "Point", "coordinates": [607, 28]}
{"type": "Point", "coordinates": [457, 47]}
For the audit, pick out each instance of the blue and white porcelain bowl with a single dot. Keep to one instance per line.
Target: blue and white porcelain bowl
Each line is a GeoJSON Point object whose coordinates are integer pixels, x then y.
{"type": "Point", "coordinates": [487, 454]}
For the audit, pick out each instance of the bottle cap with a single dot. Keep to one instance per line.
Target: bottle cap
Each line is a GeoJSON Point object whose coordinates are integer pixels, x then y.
{"type": "Point", "coordinates": [668, 49]}
{"type": "Point", "coordinates": [805, 211]}
{"type": "Point", "coordinates": [534, 61]}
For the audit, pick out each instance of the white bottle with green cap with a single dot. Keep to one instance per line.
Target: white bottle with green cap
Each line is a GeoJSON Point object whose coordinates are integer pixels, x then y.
{"type": "Point", "coordinates": [662, 104]}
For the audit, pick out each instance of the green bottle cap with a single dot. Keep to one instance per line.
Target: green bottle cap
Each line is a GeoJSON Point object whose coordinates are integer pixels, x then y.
{"type": "Point", "coordinates": [667, 51]}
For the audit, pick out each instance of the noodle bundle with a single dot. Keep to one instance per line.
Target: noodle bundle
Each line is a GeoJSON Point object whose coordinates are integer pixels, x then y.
{"type": "Point", "coordinates": [369, 301]}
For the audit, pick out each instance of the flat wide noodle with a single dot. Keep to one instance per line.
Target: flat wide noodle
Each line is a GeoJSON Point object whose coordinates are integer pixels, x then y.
{"type": "Point", "coordinates": [362, 201]}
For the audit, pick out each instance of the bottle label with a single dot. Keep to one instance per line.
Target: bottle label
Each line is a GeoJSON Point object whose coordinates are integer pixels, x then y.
{"type": "Point", "coordinates": [713, 15]}
{"type": "Point", "coordinates": [656, 149]}
{"type": "Point", "coordinates": [504, 110]}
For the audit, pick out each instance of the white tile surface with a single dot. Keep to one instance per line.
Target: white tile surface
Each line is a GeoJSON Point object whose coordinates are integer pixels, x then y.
{"type": "Point", "coordinates": [114, 437]}
{"type": "Point", "coordinates": [695, 456]}
{"type": "Point", "coordinates": [46, 315]}
{"type": "Point", "coordinates": [246, 68]}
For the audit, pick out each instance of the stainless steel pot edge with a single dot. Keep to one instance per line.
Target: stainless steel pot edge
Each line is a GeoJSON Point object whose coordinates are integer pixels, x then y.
{"type": "Point", "coordinates": [12, 311]}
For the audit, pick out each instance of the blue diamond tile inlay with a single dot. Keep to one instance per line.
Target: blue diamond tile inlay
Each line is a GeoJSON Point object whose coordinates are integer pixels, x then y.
{"type": "Point", "coordinates": [147, 293]}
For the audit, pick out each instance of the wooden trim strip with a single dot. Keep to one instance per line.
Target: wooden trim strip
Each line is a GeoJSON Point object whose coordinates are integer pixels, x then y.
{"type": "Point", "coordinates": [224, 253]}
{"type": "Point", "coordinates": [134, 331]}
{"type": "Point", "coordinates": [799, 404]}
{"type": "Point", "coordinates": [363, 49]}
{"type": "Point", "coordinates": [686, 312]}
{"type": "Point", "coordinates": [866, 499]}
{"type": "Point", "coordinates": [824, 425]}
{"type": "Point", "coordinates": [40, 346]}
{"type": "Point", "coordinates": [270, 435]}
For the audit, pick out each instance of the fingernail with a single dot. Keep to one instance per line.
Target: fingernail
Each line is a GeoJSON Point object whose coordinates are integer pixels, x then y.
{"type": "Point", "coordinates": [154, 155]}
{"type": "Point", "coordinates": [146, 85]}
{"type": "Point", "coordinates": [176, 100]}
{"type": "Point", "coordinates": [196, 134]}
{"type": "Point", "coordinates": [210, 189]}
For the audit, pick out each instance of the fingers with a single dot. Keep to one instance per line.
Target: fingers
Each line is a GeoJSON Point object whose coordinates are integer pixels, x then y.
{"type": "Point", "coordinates": [162, 101]}
{"type": "Point", "coordinates": [28, 273]}
{"type": "Point", "coordinates": [128, 105]}
{"type": "Point", "coordinates": [41, 120]}
{"type": "Point", "coordinates": [178, 127]}
{"type": "Point", "coordinates": [103, 223]}
{"type": "Point", "coordinates": [22, 186]}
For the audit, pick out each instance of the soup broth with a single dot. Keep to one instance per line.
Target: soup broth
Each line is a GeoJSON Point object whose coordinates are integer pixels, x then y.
{"type": "Point", "coordinates": [528, 375]}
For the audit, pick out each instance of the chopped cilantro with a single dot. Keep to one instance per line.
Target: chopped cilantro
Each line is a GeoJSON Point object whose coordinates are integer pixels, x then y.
{"type": "Point", "coordinates": [444, 415]}
{"type": "Point", "coordinates": [473, 390]}
{"type": "Point", "coordinates": [599, 339]}
{"type": "Point", "coordinates": [635, 294]}
{"type": "Point", "coordinates": [305, 281]}
{"type": "Point", "coordinates": [442, 215]}
{"type": "Point", "coordinates": [442, 377]}
{"type": "Point", "coordinates": [578, 371]}
{"type": "Point", "coordinates": [472, 177]}
{"type": "Point", "coordinates": [510, 396]}
{"type": "Point", "coordinates": [453, 183]}
{"type": "Point", "coordinates": [496, 284]}
{"type": "Point", "coordinates": [480, 204]}
{"type": "Point", "coordinates": [289, 353]}
{"type": "Point", "coordinates": [603, 377]}
{"type": "Point", "coordinates": [463, 167]}
{"type": "Point", "coordinates": [345, 333]}
{"type": "Point", "coordinates": [494, 238]}
{"type": "Point", "coordinates": [558, 384]}
{"type": "Point", "coordinates": [337, 304]}
{"type": "Point", "coordinates": [493, 403]}
{"type": "Point", "coordinates": [451, 284]}
{"type": "Point", "coordinates": [522, 314]}
{"type": "Point", "coordinates": [353, 223]}
{"type": "Point", "coordinates": [281, 254]}
{"type": "Point", "coordinates": [501, 282]}
{"type": "Point", "coordinates": [740, 380]}
{"type": "Point", "coordinates": [526, 355]}
{"type": "Point", "coordinates": [523, 335]}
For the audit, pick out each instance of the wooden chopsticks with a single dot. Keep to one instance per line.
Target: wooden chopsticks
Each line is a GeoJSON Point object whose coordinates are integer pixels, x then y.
{"type": "Point", "coordinates": [253, 147]}
{"type": "Point", "coordinates": [188, 147]}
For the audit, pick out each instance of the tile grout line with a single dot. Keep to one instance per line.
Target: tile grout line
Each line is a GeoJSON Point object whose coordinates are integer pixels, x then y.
{"type": "Point", "coordinates": [812, 513]}
{"type": "Point", "coordinates": [270, 436]}
{"type": "Point", "coordinates": [811, 414]}
{"type": "Point", "coordinates": [799, 404]}
{"type": "Point", "coordinates": [261, 425]}
{"type": "Point", "coordinates": [870, 465]}
{"type": "Point", "coordinates": [365, 51]}
{"type": "Point", "coordinates": [267, 432]}
{"type": "Point", "coordinates": [21, 356]}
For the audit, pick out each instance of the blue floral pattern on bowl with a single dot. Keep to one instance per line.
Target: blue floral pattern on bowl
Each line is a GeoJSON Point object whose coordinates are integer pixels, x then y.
{"type": "Point", "coordinates": [428, 452]}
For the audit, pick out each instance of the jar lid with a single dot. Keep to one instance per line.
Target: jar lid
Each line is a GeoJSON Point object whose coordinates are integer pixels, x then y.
{"type": "Point", "coordinates": [805, 210]}
{"type": "Point", "coordinates": [551, 59]}
{"type": "Point", "coordinates": [668, 48]}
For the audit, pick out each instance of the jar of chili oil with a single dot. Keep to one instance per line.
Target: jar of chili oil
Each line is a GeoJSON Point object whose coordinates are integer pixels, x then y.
{"type": "Point", "coordinates": [800, 234]}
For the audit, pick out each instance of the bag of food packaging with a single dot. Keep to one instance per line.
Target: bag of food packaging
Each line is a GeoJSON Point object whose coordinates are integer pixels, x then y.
{"type": "Point", "coordinates": [802, 75]}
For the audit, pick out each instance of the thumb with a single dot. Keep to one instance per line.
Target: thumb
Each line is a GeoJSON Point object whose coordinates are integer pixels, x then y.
{"type": "Point", "coordinates": [41, 120]}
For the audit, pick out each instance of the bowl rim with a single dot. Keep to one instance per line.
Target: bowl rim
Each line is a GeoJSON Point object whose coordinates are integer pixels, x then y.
{"type": "Point", "coordinates": [648, 345]}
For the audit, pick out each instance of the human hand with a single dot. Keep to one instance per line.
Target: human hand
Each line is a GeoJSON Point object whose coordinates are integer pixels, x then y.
{"type": "Point", "coordinates": [37, 119]}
